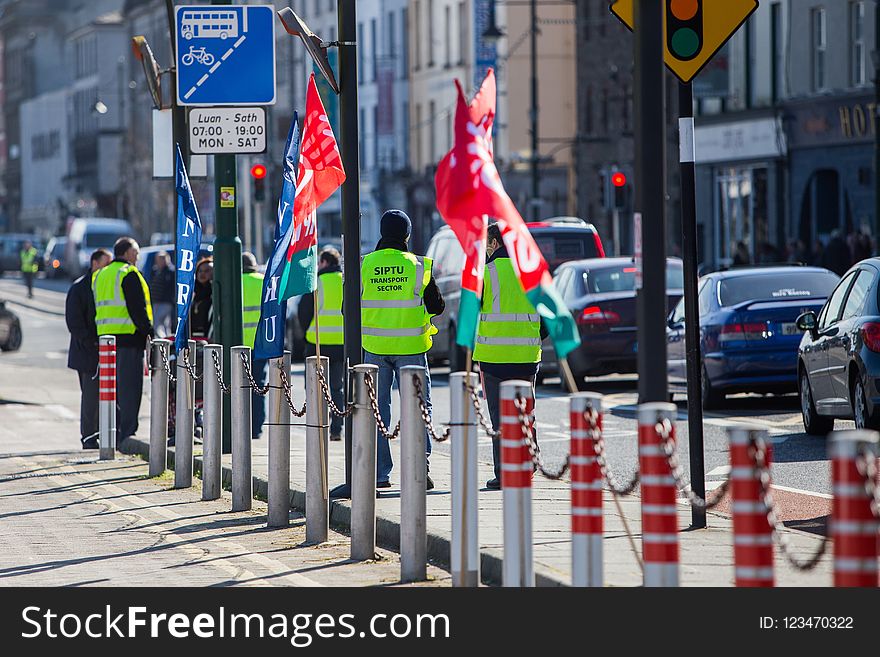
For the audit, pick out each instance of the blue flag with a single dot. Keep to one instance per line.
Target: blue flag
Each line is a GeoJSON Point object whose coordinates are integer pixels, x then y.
{"type": "Point", "coordinates": [269, 341]}
{"type": "Point", "coordinates": [189, 238]}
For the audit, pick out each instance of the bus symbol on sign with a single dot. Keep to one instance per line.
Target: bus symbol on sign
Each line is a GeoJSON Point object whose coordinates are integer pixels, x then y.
{"type": "Point", "coordinates": [203, 24]}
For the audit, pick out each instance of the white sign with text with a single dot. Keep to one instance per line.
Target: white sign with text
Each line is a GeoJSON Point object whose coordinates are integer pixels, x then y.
{"type": "Point", "coordinates": [232, 130]}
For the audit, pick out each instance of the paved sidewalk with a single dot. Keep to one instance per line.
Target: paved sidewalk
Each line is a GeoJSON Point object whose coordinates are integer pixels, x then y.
{"type": "Point", "coordinates": [71, 520]}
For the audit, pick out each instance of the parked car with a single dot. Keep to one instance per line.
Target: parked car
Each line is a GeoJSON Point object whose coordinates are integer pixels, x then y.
{"type": "Point", "coordinates": [87, 234]}
{"type": "Point", "coordinates": [53, 259]}
{"type": "Point", "coordinates": [561, 239]}
{"type": "Point", "coordinates": [10, 250]}
{"type": "Point", "coordinates": [10, 329]}
{"type": "Point", "coordinates": [838, 362]}
{"type": "Point", "coordinates": [601, 295]}
{"type": "Point", "coordinates": [748, 331]}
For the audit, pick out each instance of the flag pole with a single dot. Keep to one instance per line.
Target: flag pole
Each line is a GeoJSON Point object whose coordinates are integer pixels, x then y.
{"type": "Point", "coordinates": [567, 376]}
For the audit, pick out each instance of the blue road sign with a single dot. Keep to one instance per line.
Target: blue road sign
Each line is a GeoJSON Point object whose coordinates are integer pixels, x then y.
{"type": "Point", "coordinates": [225, 55]}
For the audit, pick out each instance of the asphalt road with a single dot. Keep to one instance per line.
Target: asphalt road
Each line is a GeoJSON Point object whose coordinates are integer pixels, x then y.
{"type": "Point", "coordinates": [799, 461]}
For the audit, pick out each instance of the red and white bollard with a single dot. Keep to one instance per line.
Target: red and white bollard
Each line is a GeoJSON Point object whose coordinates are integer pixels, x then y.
{"type": "Point", "coordinates": [516, 482]}
{"type": "Point", "coordinates": [586, 491]}
{"type": "Point", "coordinates": [752, 533]}
{"type": "Point", "coordinates": [659, 495]}
{"type": "Point", "coordinates": [107, 397]}
{"type": "Point", "coordinates": [854, 527]}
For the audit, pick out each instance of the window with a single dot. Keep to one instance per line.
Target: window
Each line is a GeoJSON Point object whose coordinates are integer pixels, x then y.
{"type": "Point", "coordinates": [374, 46]}
{"type": "Point", "coordinates": [375, 136]}
{"type": "Point", "coordinates": [392, 36]}
{"type": "Point", "coordinates": [677, 316]}
{"type": "Point", "coordinates": [775, 287]}
{"type": "Point", "coordinates": [362, 133]}
{"type": "Point", "coordinates": [778, 52]}
{"type": "Point", "coordinates": [462, 32]}
{"type": "Point", "coordinates": [831, 311]}
{"type": "Point", "coordinates": [404, 130]}
{"type": "Point", "coordinates": [447, 36]}
{"type": "Point", "coordinates": [605, 110]}
{"type": "Point", "coordinates": [362, 73]}
{"type": "Point", "coordinates": [856, 301]}
{"type": "Point", "coordinates": [418, 135]}
{"type": "Point", "coordinates": [417, 49]}
{"type": "Point", "coordinates": [858, 65]}
{"type": "Point", "coordinates": [704, 297]}
{"type": "Point", "coordinates": [588, 117]}
{"type": "Point", "coordinates": [317, 7]}
{"type": "Point", "coordinates": [819, 36]}
{"type": "Point", "coordinates": [430, 21]}
{"type": "Point", "coordinates": [404, 47]}
{"type": "Point", "coordinates": [432, 118]}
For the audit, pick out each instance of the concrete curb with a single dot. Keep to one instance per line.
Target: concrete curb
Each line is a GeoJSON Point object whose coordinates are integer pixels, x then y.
{"type": "Point", "coordinates": [387, 529]}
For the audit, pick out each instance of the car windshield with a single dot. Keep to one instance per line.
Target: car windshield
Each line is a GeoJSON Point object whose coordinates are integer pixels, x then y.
{"type": "Point", "coordinates": [560, 247]}
{"type": "Point", "coordinates": [776, 286]}
{"type": "Point", "coordinates": [99, 240]}
{"type": "Point", "coordinates": [623, 279]}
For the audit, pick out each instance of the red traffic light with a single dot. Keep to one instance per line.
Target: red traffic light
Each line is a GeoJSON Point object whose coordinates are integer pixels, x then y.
{"type": "Point", "coordinates": [618, 179]}
{"type": "Point", "coordinates": [258, 171]}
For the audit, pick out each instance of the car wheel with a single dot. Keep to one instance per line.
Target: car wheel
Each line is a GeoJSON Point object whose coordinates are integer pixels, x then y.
{"type": "Point", "coordinates": [814, 424]}
{"type": "Point", "coordinates": [13, 342]}
{"type": "Point", "coordinates": [859, 400]}
{"type": "Point", "coordinates": [712, 398]}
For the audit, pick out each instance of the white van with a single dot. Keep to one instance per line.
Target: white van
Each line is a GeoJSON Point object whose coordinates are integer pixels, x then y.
{"type": "Point", "coordinates": [87, 234]}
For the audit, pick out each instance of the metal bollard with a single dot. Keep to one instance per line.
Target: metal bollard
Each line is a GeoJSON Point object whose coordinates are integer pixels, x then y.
{"type": "Point", "coordinates": [212, 434]}
{"type": "Point", "coordinates": [159, 408]}
{"type": "Point", "coordinates": [363, 468]}
{"type": "Point", "coordinates": [465, 556]}
{"type": "Point", "coordinates": [278, 413]}
{"type": "Point", "coordinates": [752, 534]}
{"type": "Point", "coordinates": [854, 526]}
{"type": "Point", "coordinates": [185, 403]}
{"type": "Point", "coordinates": [317, 446]}
{"type": "Point", "coordinates": [659, 506]}
{"type": "Point", "coordinates": [413, 480]}
{"type": "Point", "coordinates": [516, 481]}
{"type": "Point", "coordinates": [242, 469]}
{"type": "Point", "coordinates": [586, 492]}
{"type": "Point", "coordinates": [107, 397]}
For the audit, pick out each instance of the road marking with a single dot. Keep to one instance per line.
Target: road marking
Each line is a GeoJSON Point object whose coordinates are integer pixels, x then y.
{"type": "Point", "coordinates": [62, 411]}
{"type": "Point", "coordinates": [198, 84]}
{"type": "Point", "coordinates": [719, 471]}
{"type": "Point", "coordinates": [824, 496]}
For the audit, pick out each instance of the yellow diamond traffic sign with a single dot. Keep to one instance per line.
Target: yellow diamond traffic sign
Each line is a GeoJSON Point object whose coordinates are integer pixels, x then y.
{"type": "Point", "coordinates": [694, 30]}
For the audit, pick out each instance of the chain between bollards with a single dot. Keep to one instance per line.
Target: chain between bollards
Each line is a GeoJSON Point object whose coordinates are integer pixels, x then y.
{"type": "Point", "coordinates": [285, 386]}
{"type": "Point", "coordinates": [426, 414]}
{"type": "Point", "coordinates": [325, 391]}
{"type": "Point", "coordinates": [374, 407]}
{"type": "Point", "coordinates": [664, 430]}
{"type": "Point", "coordinates": [218, 370]}
{"type": "Point", "coordinates": [526, 422]}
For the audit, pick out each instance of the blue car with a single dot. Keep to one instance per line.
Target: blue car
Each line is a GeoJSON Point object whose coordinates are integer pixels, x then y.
{"type": "Point", "coordinates": [749, 336]}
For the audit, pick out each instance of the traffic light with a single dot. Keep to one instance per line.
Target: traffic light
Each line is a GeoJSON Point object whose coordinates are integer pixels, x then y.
{"type": "Point", "coordinates": [618, 181]}
{"type": "Point", "coordinates": [684, 28]}
{"type": "Point", "coordinates": [258, 173]}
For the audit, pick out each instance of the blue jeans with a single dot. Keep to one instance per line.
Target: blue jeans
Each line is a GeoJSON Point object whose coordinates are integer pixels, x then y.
{"type": "Point", "coordinates": [258, 402]}
{"type": "Point", "coordinates": [389, 370]}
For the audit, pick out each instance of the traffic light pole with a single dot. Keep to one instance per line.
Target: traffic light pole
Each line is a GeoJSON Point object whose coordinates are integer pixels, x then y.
{"type": "Point", "coordinates": [226, 295]}
{"type": "Point", "coordinates": [351, 229]}
{"type": "Point", "coordinates": [691, 307]}
{"type": "Point", "coordinates": [650, 110]}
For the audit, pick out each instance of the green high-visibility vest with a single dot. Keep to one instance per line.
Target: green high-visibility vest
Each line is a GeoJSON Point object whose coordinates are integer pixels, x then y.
{"type": "Point", "coordinates": [251, 296]}
{"type": "Point", "coordinates": [29, 261]}
{"type": "Point", "coordinates": [510, 329]}
{"type": "Point", "coordinates": [111, 314]}
{"type": "Point", "coordinates": [394, 320]}
{"type": "Point", "coordinates": [328, 310]}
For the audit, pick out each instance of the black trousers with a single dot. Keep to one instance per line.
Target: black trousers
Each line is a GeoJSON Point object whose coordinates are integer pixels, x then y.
{"type": "Point", "coordinates": [336, 381]}
{"type": "Point", "coordinates": [29, 281]}
{"type": "Point", "coordinates": [88, 405]}
{"type": "Point", "coordinates": [492, 391]}
{"type": "Point", "coordinates": [129, 388]}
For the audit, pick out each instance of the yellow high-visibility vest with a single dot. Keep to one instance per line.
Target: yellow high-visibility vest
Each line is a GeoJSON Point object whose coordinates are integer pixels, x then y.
{"type": "Point", "coordinates": [510, 328]}
{"type": "Point", "coordinates": [394, 320]}
{"type": "Point", "coordinates": [251, 296]}
{"type": "Point", "coordinates": [328, 310]}
{"type": "Point", "coordinates": [111, 314]}
{"type": "Point", "coordinates": [29, 263]}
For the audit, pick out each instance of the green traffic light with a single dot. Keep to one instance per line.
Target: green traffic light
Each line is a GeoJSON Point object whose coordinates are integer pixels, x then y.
{"type": "Point", "coordinates": [685, 43]}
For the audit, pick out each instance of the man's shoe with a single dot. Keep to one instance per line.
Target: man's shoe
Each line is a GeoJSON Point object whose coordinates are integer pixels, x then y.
{"type": "Point", "coordinates": [90, 443]}
{"type": "Point", "coordinates": [493, 484]}
{"type": "Point", "coordinates": [334, 437]}
{"type": "Point", "coordinates": [429, 483]}
{"type": "Point", "coordinates": [383, 484]}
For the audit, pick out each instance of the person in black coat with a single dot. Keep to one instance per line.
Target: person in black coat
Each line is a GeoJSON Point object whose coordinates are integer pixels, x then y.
{"type": "Point", "coordinates": [82, 355]}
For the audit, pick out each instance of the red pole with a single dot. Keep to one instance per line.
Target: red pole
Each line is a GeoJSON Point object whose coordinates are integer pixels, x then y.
{"type": "Point", "coordinates": [854, 526]}
{"type": "Point", "coordinates": [752, 534]}
{"type": "Point", "coordinates": [586, 491]}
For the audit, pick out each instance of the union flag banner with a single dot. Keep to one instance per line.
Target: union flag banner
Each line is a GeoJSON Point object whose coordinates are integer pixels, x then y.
{"type": "Point", "coordinates": [320, 174]}
{"type": "Point", "coordinates": [469, 192]}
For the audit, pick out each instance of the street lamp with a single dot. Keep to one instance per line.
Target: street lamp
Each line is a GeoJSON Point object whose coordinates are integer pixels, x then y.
{"type": "Point", "coordinates": [493, 33]}
{"type": "Point", "coordinates": [316, 48]}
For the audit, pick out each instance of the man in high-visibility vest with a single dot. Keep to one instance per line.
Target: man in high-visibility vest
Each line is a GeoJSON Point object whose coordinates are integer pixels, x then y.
{"type": "Point", "coordinates": [329, 327]}
{"type": "Point", "coordinates": [123, 309]}
{"type": "Point", "coordinates": [251, 297]}
{"type": "Point", "coordinates": [29, 266]}
{"type": "Point", "coordinates": [508, 345]}
{"type": "Point", "coordinates": [398, 298]}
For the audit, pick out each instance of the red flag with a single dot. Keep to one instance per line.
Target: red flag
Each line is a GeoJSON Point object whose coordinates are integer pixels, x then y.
{"type": "Point", "coordinates": [320, 174]}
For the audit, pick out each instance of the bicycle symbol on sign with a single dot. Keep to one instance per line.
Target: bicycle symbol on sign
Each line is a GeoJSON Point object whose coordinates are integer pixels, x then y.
{"type": "Point", "coordinates": [197, 55]}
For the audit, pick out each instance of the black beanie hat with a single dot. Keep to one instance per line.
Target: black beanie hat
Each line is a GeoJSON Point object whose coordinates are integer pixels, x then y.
{"type": "Point", "coordinates": [395, 225]}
